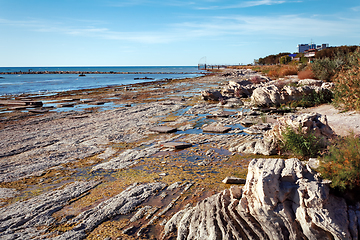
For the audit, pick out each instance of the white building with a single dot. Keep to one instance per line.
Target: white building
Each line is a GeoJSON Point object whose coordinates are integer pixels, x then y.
{"type": "Point", "coordinates": [305, 47]}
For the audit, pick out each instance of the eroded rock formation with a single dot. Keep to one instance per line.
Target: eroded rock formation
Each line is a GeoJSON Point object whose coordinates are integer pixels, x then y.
{"type": "Point", "coordinates": [282, 199]}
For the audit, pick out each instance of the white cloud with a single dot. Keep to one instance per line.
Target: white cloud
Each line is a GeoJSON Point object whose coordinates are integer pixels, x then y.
{"type": "Point", "coordinates": [209, 28]}
{"type": "Point", "coordinates": [356, 9]}
{"type": "Point", "coordinates": [244, 4]}
{"type": "Point", "coordinates": [285, 25]}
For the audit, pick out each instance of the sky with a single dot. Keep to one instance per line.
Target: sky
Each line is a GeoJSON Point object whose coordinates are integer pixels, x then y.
{"type": "Point", "coordinates": [35, 33]}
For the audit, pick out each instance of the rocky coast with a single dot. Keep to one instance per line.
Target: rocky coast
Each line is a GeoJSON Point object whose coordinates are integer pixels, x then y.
{"type": "Point", "coordinates": [146, 161]}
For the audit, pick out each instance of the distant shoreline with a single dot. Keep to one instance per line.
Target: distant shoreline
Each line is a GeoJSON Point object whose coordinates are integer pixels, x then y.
{"type": "Point", "coordinates": [93, 72]}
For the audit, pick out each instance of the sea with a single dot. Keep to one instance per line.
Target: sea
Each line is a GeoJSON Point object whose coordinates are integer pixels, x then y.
{"type": "Point", "coordinates": [15, 84]}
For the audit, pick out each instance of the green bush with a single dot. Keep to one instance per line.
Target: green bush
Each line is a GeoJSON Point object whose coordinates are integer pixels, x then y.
{"type": "Point", "coordinates": [301, 144]}
{"type": "Point", "coordinates": [313, 99]}
{"type": "Point", "coordinates": [341, 164]}
{"type": "Point", "coordinates": [325, 69]}
{"type": "Point", "coordinates": [285, 59]}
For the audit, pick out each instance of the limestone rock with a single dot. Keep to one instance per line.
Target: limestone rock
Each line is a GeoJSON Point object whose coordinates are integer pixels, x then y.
{"type": "Point", "coordinates": [213, 95]}
{"type": "Point", "coordinates": [123, 203]}
{"type": "Point", "coordinates": [126, 159]}
{"type": "Point", "coordinates": [258, 146]}
{"type": "Point", "coordinates": [8, 192]}
{"type": "Point", "coordinates": [21, 219]}
{"type": "Point", "coordinates": [266, 96]}
{"type": "Point", "coordinates": [310, 122]}
{"type": "Point", "coordinates": [310, 82]}
{"type": "Point", "coordinates": [233, 180]}
{"type": "Point", "coordinates": [280, 200]}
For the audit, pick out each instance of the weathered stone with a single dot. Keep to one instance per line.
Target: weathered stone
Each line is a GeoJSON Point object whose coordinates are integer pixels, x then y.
{"type": "Point", "coordinates": [121, 204]}
{"type": "Point", "coordinates": [98, 103]}
{"type": "Point", "coordinates": [39, 110]}
{"type": "Point", "coordinates": [8, 192]}
{"type": "Point", "coordinates": [17, 108]}
{"type": "Point", "coordinates": [258, 146]}
{"type": "Point", "coordinates": [21, 219]}
{"type": "Point", "coordinates": [266, 96]}
{"type": "Point", "coordinates": [10, 103]}
{"type": "Point", "coordinates": [126, 159]}
{"type": "Point", "coordinates": [216, 128]}
{"type": "Point", "coordinates": [280, 200]}
{"type": "Point", "coordinates": [65, 105]}
{"type": "Point", "coordinates": [310, 82]}
{"type": "Point", "coordinates": [314, 123]}
{"type": "Point", "coordinates": [234, 180]}
{"type": "Point", "coordinates": [213, 95]}
{"type": "Point", "coordinates": [163, 129]}
{"type": "Point", "coordinates": [177, 145]}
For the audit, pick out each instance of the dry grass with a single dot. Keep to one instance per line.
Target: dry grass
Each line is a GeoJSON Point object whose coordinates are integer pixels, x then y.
{"type": "Point", "coordinates": [276, 71]}
{"type": "Point", "coordinates": [306, 74]}
{"type": "Point", "coordinates": [286, 70]}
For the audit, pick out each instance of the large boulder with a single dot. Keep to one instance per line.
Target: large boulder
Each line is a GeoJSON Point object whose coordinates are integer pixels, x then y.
{"type": "Point", "coordinates": [314, 123]}
{"type": "Point", "coordinates": [213, 95]}
{"type": "Point", "coordinates": [275, 93]}
{"type": "Point", "coordinates": [312, 82]}
{"type": "Point", "coordinates": [258, 146]}
{"type": "Point", "coordinates": [280, 200]}
{"type": "Point", "coordinates": [266, 96]}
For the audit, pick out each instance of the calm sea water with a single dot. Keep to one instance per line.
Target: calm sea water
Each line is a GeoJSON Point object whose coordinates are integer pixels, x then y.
{"type": "Point", "coordinates": [42, 83]}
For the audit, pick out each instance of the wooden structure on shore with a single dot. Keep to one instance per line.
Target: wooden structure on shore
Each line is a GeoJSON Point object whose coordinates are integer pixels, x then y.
{"type": "Point", "coordinates": [210, 67]}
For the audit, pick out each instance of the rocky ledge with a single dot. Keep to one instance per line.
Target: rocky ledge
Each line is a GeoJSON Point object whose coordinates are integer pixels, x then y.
{"type": "Point", "coordinates": [282, 199]}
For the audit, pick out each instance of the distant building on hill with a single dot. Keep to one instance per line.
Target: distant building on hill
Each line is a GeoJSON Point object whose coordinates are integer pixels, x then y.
{"type": "Point", "coordinates": [306, 47]}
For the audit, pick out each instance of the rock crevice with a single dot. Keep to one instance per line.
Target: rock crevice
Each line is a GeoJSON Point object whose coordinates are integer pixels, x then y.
{"type": "Point", "coordinates": [280, 200]}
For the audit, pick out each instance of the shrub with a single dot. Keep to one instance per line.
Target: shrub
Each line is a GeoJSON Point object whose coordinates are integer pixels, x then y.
{"type": "Point", "coordinates": [305, 74]}
{"type": "Point", "coordinates": [285, 59]}
{"type": "Point", "coordinates": [347, 84]}
{"type": "Point", "coordinates": [313, 99]}
{"type": "Point", "coordinates": [347, 89]}
{"type": "Point", "coordinates": [273, 73]}
{"type": "Point", "coordinates": [342, 163]}
{"type": "Point", "coordinates": [301, 144]}
{"type": "Point", "coordinates": [325, 69]}
{"type": "Point", "coordinates": [287, 70]}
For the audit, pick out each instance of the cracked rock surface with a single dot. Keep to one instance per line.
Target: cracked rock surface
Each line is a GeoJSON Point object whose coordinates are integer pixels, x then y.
{"type": "Point", "coordinates": [280, 200]}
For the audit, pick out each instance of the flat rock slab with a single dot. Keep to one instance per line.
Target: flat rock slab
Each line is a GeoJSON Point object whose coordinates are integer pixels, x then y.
{"type": "Point", "coordinates": [21, 103]}
{"type": "Point", "coordinates": [247, 123]}
{"type": "Point", "coordinates": [17, 108]}
{"type": "Point", "coordinates": [98, 103]}
{"type": "Point", "coordinates": [221, 115]}
{"type": "Point", "coordinates": [177, 145]}
{"type": "Point", "coordinates": [163, 129]}
{"type": "Point", "coordinates": [234, 180]}
{"type": "Point", "coordinates": [39, 110]}
{"type": "Point", "coordinates": [177, 99]}
{"type": "Point", "coordinates": [16, 103]}
{"type": "Point", "coordinates": [216, 129]}
{"type": "Point", "coordinates": [70, 99]}
{"type": "Point", "coordinates": [65, 105]}
{"type": "Point", "coordinates": [251, 131]}
{"type": "Point", "coordinates": [79, 116]}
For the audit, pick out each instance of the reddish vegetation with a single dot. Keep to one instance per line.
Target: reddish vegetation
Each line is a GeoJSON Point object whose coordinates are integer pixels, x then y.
{"type": "Point", "coordinates": [306, 74]}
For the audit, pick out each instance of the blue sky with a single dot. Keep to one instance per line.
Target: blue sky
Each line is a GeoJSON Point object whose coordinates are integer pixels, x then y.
{"type": "Point", "coordinates": [171, 32]}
